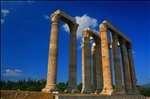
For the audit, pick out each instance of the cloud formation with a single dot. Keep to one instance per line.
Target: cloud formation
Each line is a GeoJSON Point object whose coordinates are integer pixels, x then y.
{"type": "Point", "coordinates": [4, 12]}
{"type": "Point", "coordinates": [47, 17]}
{"type": "Point", "coordinates": [15, 72]}
{"type": "Point", "coordinates": [84, 21]}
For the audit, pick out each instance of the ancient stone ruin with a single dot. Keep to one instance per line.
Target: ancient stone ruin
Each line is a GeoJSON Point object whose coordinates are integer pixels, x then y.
{"type": "Point", "coordinates": [101, 78]}
{"type": "Point", "coordinates": [53, 52]}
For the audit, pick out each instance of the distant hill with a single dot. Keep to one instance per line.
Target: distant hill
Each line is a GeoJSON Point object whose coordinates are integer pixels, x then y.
{"type": "Point", "coordinates": [146, 85]}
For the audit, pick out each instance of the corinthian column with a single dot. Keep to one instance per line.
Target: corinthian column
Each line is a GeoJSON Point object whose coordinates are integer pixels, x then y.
{"type": "Point", "coordinates": [99, 73]}
{"type": "Point", "coordinates": [83, 67]}
{"type": "Point", "coordinates": [117, 70]}
{"type": "Point", "coordinates": [132, 69]}
{"type": "Point", "coordinates": [53, 55]}
{"type": "Point", "coordinates": [125, 66]}
{"type": "Point", "coordinates": [72, 85]}
{"type": "Point", "coordinates": [87, 63]}
{"type": "Point", "coordinates": [93, 50]}
{"type": "Point", "coordinates": [107, 77]}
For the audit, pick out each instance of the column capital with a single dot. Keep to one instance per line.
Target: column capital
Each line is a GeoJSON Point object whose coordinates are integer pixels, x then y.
{"type": "Point", "coordinates": [103, 27]}
{"type": "Point", "coordinates": [86, 34]}
{"type": "Point", "coordinates": [55, 17]}
{"type": "Point", "coordinates": [73, 26]}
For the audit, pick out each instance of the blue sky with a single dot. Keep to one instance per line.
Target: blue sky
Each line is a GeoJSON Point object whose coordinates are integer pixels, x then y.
{"type": "Point", "coordinates": [25, 35]}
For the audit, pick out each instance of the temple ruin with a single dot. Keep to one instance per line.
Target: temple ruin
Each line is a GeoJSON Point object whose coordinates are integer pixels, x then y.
{"type": "Point", "coordinates": [101, 80]}
{"type": "Point", "coordinates": [53, 52]}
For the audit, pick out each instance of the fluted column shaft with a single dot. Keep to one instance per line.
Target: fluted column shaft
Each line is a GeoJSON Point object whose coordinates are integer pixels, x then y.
{"type": "Point", "coordinates": [125, 66]}
{"type": "Point", "coordinates": [72, 59]}
{"type": "Point", "coordinates": [94, 66]}
{"type": "Point", "coordinates": [87, 63]}
{"type": "Point", "coordinates": [83, 67]}
{"type": "Point", "coordinates": [132, 69]}
{"type": "Point", "coordinates": [107, 77]}
{"type": "Point", "coordinates": [116, 58]}
{"type": "Point", "coordinates": [53, 55]}
{"type": "Point", "coordinates": [99, 72]}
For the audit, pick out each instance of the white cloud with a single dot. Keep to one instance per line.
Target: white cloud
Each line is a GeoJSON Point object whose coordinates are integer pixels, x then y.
{"type": "Point", "coordinates": [2, 21]}
{"type": "Point", "coordinates": [66, 28]}
{"type": "Point", "coordinates": [47, 17]}
{"type": "Point", "coordinates": [4, 12]}
{"type": "Point", "coordinates": [84, 22]}
{"type": "Point", "coordinates": [15, 72]}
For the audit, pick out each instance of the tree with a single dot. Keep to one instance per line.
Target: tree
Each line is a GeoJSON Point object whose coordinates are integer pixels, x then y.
{"type": "Point", "coordinates": [79, 87]}
{"type": "Point", "coordinates": [144, 91]}
{"type": "Point", "coordinates": [61, 86]}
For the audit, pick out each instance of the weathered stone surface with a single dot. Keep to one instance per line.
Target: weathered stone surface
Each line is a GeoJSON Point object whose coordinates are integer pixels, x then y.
{"type": "Point", "coordinates": [117, 70]}
{"type": "Point", "coordinates": [132, 70]}
{"type": "Point", "coordinates": [107, 77]}
{"type": "Point", "coordinates": [102, 76]}
{"type": "Point", "coordinates": [97, 64]}
{"type": "Point", "coordinates": [72, 59]}
{"type": "Point", "coordinates": [114, 29]}
{"type": "Point", "coordinates": [93, 50]}
{"type": "Point", "coordinates": [101, 97]}
{"type": "Point", "coordinates": [125, 66]}
{"type": "Point", "coordinates": [99, 72]}
{"type": "Point", "coordinates": [56, 17]}
{"type": "Point", "coordinates": [64, 17]}
{"type": "Point", "coordinates": [53, 55]}
{"type": "Point", "coordinates": [87, 85]}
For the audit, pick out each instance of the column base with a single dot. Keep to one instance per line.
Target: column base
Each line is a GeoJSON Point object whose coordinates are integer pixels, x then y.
{"type": "Point", "coordinates": [98, 90]}
{"type": "Point", "coordinates": [107, 91]}
{"type": "Point", "coordinates": [49, 88]}
{"type": "Point", "coordinates": [129, 92]}
{"type": "Point", "coordinates": [86, 90]}
{"type": "Point", "coordinates": [119, 93]}
{"type": "Point", "coordinates": [136, 92]}
{"type": "Point", "coordinates": [72, 90]}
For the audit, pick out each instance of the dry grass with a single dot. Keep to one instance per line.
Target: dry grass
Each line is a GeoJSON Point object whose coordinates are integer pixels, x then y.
{"type": "Point", "coordinates": [14, 94]}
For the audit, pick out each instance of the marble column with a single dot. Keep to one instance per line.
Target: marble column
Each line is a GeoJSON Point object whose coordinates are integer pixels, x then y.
{"type": "Point", "coordinates": [83, 67]}
{"type": "Point", "coordinates": [53, 55]}
{"type": "Point", "coordinates": [72, 83]}
{"type": "Point", "coordinates": [93, 50]}
{"type": "Point", "coordinates": [99, 73]}
{"type": "Point", "coordinates": [125, 66]}
{"type": "Point", "coordinates": [117, 70]}
{"type": "Point", "coordinates": [132, 69]}
{"type": "Point", "coordinates": [87, 64]}
{"type": "Point", "coordinates": [107, 77]}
